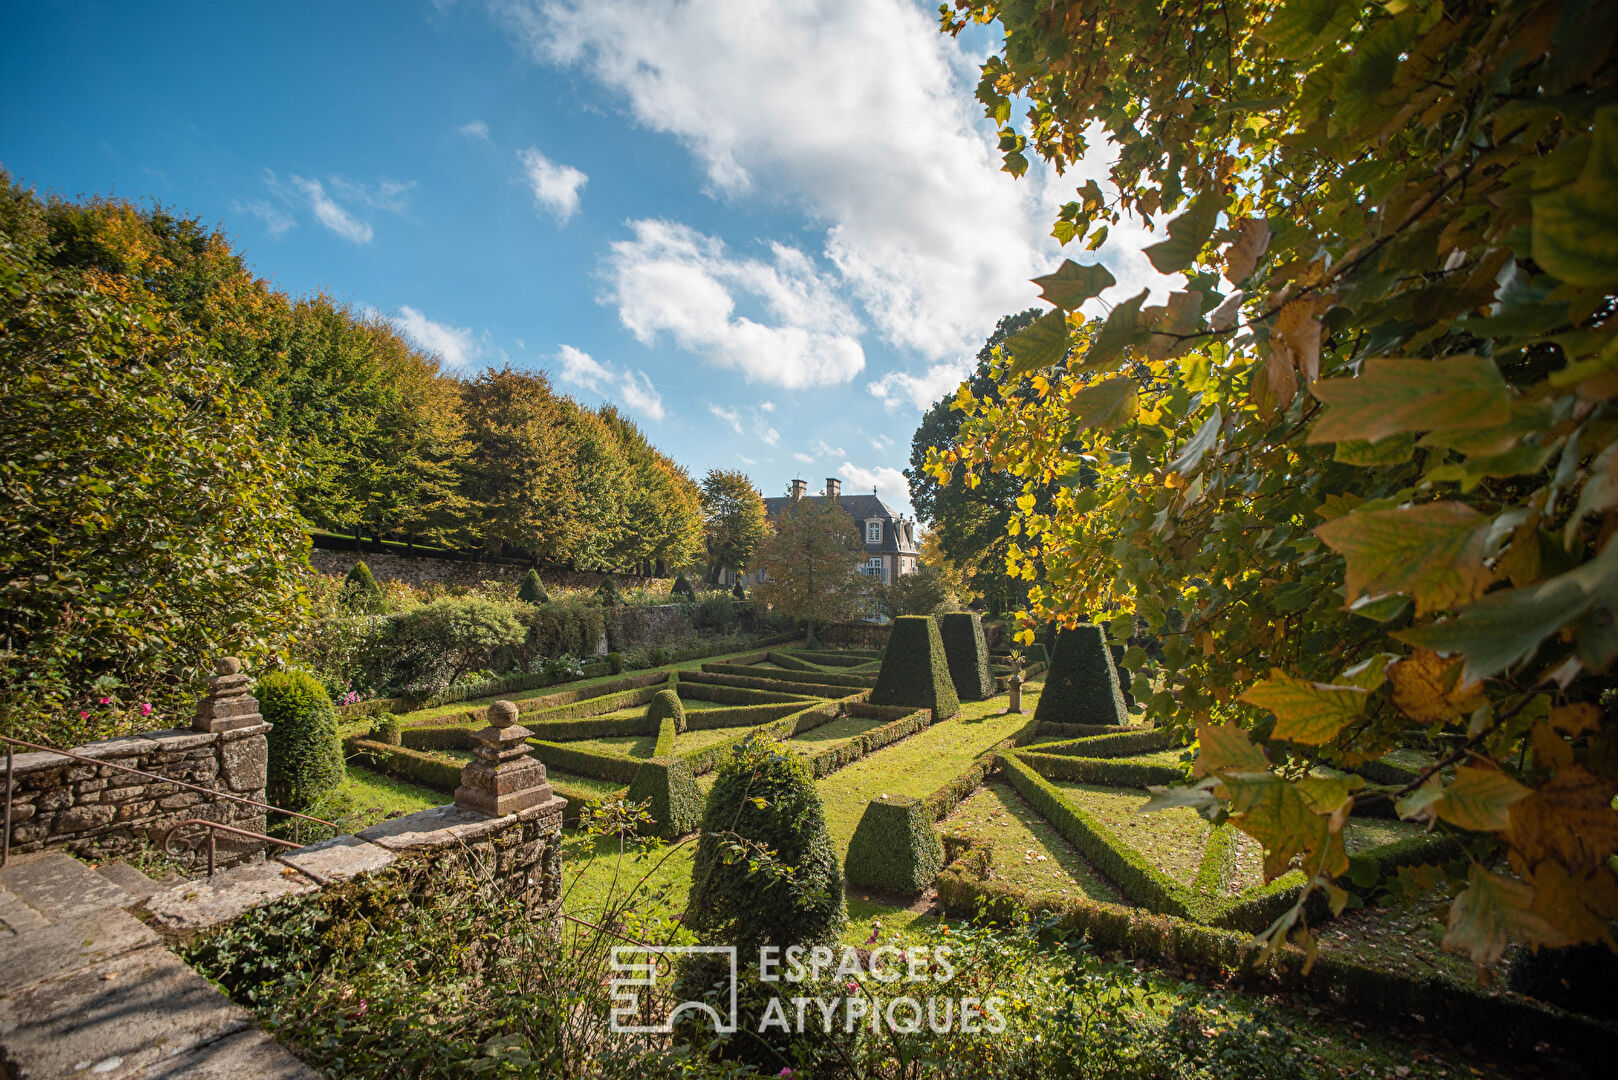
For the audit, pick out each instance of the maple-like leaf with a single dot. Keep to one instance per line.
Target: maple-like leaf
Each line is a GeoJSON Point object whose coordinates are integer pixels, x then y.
{"type": "Point", "coordinates": [1227, 748]}
{"type": "Point", "coordinates": [1071, 285]}
{"type": "Point", "coordinates": [1040, 345]}
{"type": "Point", "coordinates": [1427, 688]}
{"type": "Point", "coordinates": [1492, 911]}
{"type": "Point", "coordinates": [1479, 799]}
{"type": "Point", "coordinates": [1391, 396]}
{"type": "Point", "coordinates": [1241, 258]}
{"type": "Point", "coordinates": [1433, 553]}
{"type": "Point", "coordinates": [1187, 234]}
{"type": "Point", "coordinates": [1306, 712]}
{"type": "Point", "coordinates": [1104, 405]}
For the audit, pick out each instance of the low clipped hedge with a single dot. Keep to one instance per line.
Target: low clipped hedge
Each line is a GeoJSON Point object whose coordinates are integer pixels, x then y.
{"type": "Point", "coordinates": [852, 658]}
{"type": "Point", "coordinates": [667, 786]}
{"type": "Point", "coordinates": [741, 715]}
{"type": "Point", "coordinates": [666, 706]}
{"type": "Point", "coordinates": [803, 719]}
{"type": "Point", "coordinates": [434, 738]}
{"type": "Point", "coordinates": [819, 678]}
{"type": "Point", "coordinates": [547, 701]}
{"type": "Point", "coordinates": [1138, 879]}
{"type": "Point", "coordinates": [753, 682]}
{"type": "Point", "coordinates": [829, 760]}
{"type": "Point", "coordinates": [1082, 684]}
{"type": "Point", "coordinates": [591, 727]}
{"type": "Point", "coordinates": [894, 847]}
{"type": "Point", "coordinates": [967, 654]}
{"type": "Point", "coordinates": [1109, 771]}
{"type": "Point", "coordinates": [863, 707]}
{"type": "Point", "coordinates": [594, 706]}
{"type": "Point", "coordinates": [619, 768]}
{"type": "Point", "coordinates": [1048, 727]}
{"type": "Point", "coordinates": [666, 731]}
{"type": "Point", "coordinates": [792, 662]}
{"type": "Point", "coordinates": [915, 671]}
{"type": "Point", "coordinates": [437, 773]}
{"type": "Point", "coordinates": [732, 695]}
{"type": "Point", "coordinates": [948, 796]}
{"type": "Point", "coordinates": [1120, 744]}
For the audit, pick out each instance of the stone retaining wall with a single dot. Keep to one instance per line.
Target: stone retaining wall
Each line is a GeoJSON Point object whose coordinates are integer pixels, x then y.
{"type": "Point", "coordinates": [98, 811]}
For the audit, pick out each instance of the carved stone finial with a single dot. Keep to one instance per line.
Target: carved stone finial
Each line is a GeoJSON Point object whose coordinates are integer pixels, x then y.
{"type": "Point", "coordinates": [502, 714]}
{"type": "Point", "coordinates": [228, 665]}
{"type": "Point", "coordinates": [502, 777]}
{"type": "Point", "coordinates": [229, 703]}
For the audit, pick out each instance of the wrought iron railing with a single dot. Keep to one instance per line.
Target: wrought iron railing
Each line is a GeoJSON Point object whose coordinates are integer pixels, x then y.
{"type": "Point", "coordinates": [213, 827]}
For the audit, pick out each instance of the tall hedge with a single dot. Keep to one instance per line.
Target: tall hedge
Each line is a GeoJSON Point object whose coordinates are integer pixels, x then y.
{"type": "Point", "coordinates": [764, 798]}
{"type": "Point", "coordinates": [915, 671]}
{"type": "Point", "coordinates": [1082, 685]}
{"type": "Point", "coordinates": [894, 847]}
{"type": "Point", "coordinates": [360, 590]}
{"type": "Point", "coordinates": [673, 799]}
{"type": "Point", "coordinates": [306, 758]}
{"type": "Point", "coordinates": [532, 590]}
{"type": "Point", "coordinates": [968, 655]}
{"type": "Point", "coordinates": [666, 705]}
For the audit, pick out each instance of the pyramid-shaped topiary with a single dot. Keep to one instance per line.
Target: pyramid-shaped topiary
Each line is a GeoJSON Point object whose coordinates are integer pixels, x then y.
{"type": "Point", "coordinates": [683, 589]}
{"type": "Point", "coordinates": [673, 799]}
{"type": "Point", "coordinates": [895, 847]}
{"type": "Point", "coordinates": [360, 590]}
{"type": "Point", "coordinates": [608, 593]}
{"type": "Point", "coordinates": [738, 592]}
{"type": "Point", "coordinates": [915, 671]}
{"type": "Point", "coordinates": [532, 590]}
{"type": "Point", "coordinates": [1082, 684]}
{"type": "Point", "coordinates": [968, 655]}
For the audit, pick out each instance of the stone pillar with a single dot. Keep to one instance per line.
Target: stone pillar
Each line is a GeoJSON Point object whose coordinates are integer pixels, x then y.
{"type": "Point", "coordinates": [229, 703]}
{"type": "Point", "coordinates": [1016, 692]}
{"type": "Point", "coordinates": [502, 778]}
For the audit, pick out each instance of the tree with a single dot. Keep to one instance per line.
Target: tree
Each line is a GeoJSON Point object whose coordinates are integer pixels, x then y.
{"type": "Point", "coordinates": [518, 470]}
{"type": "Point", "coordinates": [812, 564]}
{"type": "Point", "coordinates": [733, 510]}
{"type": "Point", "coordinates": [145, 525]}
{"type": "Point", "coordinates": [663, 507]}
{"type": "Point", "coordinates": [968, 523]}
{"type": "Point", "coordinates": [923, 591]}
{"type": "Point", "coordinates": [1366, 486]}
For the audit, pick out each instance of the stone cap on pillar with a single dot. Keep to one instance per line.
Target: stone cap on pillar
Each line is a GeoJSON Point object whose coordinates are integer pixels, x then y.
{"type": "Point", "coordinates": [502, 778]}
{"type": "Point", "coordinates": [229, 703]}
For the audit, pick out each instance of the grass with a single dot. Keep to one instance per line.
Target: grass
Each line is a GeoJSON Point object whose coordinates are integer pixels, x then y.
{"type": "Point", "coordinates": [1027, 850]}
{"type": "Point", "coordinates": [838, 731]}
{"type": "Point", "coordinates": [365, 798]}
{"type": "Point", "coordinates": [1173, 840]}
{"type": "Point", "coordinates": [642, 745]}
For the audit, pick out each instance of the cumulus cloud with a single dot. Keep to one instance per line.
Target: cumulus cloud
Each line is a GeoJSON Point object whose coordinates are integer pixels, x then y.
{"type": "Point", "coordinates": [276, 220]}
{"type": "Point", "coordinates": [900, 390]}
{"type": "Point", "coordinates": [806, 459]}
{"type": "Point", "coordinates": [730, 416]}
{"type": "Point", "coordinates": [476, 129]}
{"type": "Point", "coordinates": [890, 484]}
{"type": "Point", "coordinates": [634, 388]}
{"type": "Point", "coordinates": [672, 279]}
{"type": "Point", "coordinates": [455, 345]}
{"type": "Point", "coordinates": [555, 187]}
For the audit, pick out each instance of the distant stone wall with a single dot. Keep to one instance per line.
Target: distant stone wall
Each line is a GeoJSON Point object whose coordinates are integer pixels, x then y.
{"type": "Point", "coordinates": [98, 811]}
{"type": "Point", "coordinates": [389, 567]}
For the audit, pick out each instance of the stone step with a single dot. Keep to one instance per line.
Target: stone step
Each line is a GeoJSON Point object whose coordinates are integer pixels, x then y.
{"type": "Point", "coordinates": [60, 887]}
{"type": "Point", "coordinates": [53, 949]}
{"type": "Point", "coordinates": [129, 879]}
{"type": "Point", "coordinates": [204, 902]}
{"type": "Point", "coordinates": [17, 917]}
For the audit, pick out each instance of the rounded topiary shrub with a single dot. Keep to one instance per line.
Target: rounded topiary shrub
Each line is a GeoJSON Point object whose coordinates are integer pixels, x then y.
{"type": "Point", "coordinates": [683, 589]}
{"type": "Point", "coordinates": [666, 704]}
{"type": "Point", "coordinates": [968, 655]}
{"type": "Point", "coordinates": [360, 590]}
{"type": "Point", "coordinates": [764, 799]}
{"type": "Point", "coordinates": [306, 758]}
{"type": "Point", "coordinates": [532, 590]}
{"type": "Point", "coordinates": [915, 671]}
{"type": "Point", "coordinates": [608, 593]}
{"type": "Point", "coordinates": [1081, 686]}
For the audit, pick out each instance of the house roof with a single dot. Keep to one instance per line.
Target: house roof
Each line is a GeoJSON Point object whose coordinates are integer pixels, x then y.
{"type": "Point", "coordinates": [861, 508]}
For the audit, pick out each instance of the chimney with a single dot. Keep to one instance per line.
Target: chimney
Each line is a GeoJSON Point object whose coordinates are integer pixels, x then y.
{"type": "Point", "coordinates": [834, 487]}
{"type": "Point", "coordinates": [800, 488]}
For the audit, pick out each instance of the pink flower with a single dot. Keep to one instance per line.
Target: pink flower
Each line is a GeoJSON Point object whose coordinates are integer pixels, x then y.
{"type": "Point", "coordinates": [83, 715]}
{"type": "Point", "coordinates": [106, 701]}
{"type": "Point", "coordinates": [146, 708]}
{"type": "Point", "coordinates": [852, 987]}
{"type": "Point", "coordinates": [784, 1072]}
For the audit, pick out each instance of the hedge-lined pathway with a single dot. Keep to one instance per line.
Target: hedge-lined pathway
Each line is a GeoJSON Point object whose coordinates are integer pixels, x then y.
{"type": "Point", "coordinates": [1026, 846]}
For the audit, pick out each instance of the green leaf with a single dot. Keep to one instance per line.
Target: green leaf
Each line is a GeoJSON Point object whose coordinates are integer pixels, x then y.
{"type": "Point", "coordinates": [1073, 284]}
{"type": "Point", "coordinates": [1203, 441]}
{"type": "Point", "coordinates": [1480, 799]}
{"type": "Point", "coordinates": [1227, 748]}
{"type": "Point", "coordinates": [1576, 225]}
{"type": "Point", "coordinates": [1121, 330]}
{"type": "Point", "coordinates": [1394, 450]}
{"type": "Point", "coordinates": [1299, 27]}
{"type": "Point", "coordinates": [1188, 233]}
{"type": "Point", "coordinates": [1505, 628]}
{"type": "Point", "coordinates": [1105, 404]}
{"type": "Point", "coordinates": [1488, 913]}
{"type": "Point", "coordinates": [1041, 345]}
{"type": "Point", "coordinates": [1432, 553]}
{"type": "Point", "coordinates": [1306, 712]}
{"type": "Point", "coordinates": [1394, 396]}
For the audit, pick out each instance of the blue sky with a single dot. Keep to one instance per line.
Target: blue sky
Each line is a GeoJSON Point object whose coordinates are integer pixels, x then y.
{"type": "Point", "coordinates": [771, 230]}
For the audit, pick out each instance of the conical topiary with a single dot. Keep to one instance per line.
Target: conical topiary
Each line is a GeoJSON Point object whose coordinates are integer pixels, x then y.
{"type": "Point", "coordinates": [1124, 677]}
{"type": "Point", "coordinates": [683, 589]}
{"type": "Point", "coordinates": [607, 592]}
{"type": "Point", "coordinates": [895, 847]}
{"type": "Point", "coordinates": [1082, 684]}
{"type": "Point", "coordinates": [532, 590]}
{"type": "Point", "coordinates": [915, 671]}
{"type": "Point", "coordinates": [967, 654]}
{"type": "Point", "coordinates": [360, 590]}
{"type": "Point", "coordinates": [738, 592]}
{"type": "Point", "coordinates": [763, 795]}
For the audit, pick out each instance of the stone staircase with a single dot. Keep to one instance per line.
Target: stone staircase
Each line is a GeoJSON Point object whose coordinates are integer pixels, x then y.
{"type": "Point", "coordinates": [88, 990]}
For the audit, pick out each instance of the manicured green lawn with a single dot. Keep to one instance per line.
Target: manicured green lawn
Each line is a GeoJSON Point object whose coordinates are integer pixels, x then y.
{"type": "Point", "coordinates": [642, 745]}
{"type": "Point", "coordinates": [1027, 851]}
{"type": "Point", "coordinates": [367, 797]}
{"type": "Point", "coordinates": [1172, 839]}
{"type": "Point", "coordinates": [837, 731]}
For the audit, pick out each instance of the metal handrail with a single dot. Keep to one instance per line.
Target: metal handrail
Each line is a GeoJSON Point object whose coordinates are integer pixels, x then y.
{"type": "Point", "coordinates": [214, 828]}
{"type": "Point", "coordinates": [5, 845]}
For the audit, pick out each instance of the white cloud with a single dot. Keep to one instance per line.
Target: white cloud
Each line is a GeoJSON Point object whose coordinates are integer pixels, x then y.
{"type": "Point", "coordinates": [899, 389]}
{"type": "Point", "coordinates": [276, 220]}
{"type": "Point", "coordinates": [476, 129]}
{"type": "Point", "coordinates": [729, 416]}
{"type": "Point", "coordinates": [672, 278]}
{"type": "Point", "coordinates": [825, 450]}
{"type": "Point", "coordinates": [303, 193]}
{"type": "Point", "coordinates": [767, 406]}
{"type": "Point", "coordinates": [633, 388]}
{"type": "Point", "coordinates": [745, 460]}
{"type": "Point", "coordinates": [803, 457]}
{"type": "Point", "coordinates": [889, 483]}
{"type": "Point", "coordinates": [387, 195]}
{"type": "Point", "coordinates": [555, 187]}
{"type": "Point", "coordinates": [765, 433]}
{"type": "Point", "coordinates": [329, 213]}
{"type": "Point", "coordinates": [882, 442]}
{"type": "Point", "coordinates": [455, 345]}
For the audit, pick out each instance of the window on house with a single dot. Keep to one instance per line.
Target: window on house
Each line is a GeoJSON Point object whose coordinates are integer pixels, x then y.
{"type": "Point", "coordinates": [873, 532]}
{"type": "Point", "coordinates": [873, 567]}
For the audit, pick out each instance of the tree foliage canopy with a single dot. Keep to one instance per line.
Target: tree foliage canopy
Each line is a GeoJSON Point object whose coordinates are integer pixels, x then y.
{"type": "Point", "coordinates": [1360, 474]}
{"type": "Point", "coordinates": [736, 522]}
{"type": "Point", "coordinates": [812, 563]}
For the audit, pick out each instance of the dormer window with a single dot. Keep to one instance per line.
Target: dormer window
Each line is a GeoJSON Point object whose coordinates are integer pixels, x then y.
{"type": "Point", "coordinates": [873, 532]}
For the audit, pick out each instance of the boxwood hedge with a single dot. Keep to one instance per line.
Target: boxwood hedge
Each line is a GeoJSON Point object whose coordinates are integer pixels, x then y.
{"type": "Point", "coordinates": [894, 848]}
{"type": "Point", "coordinates": [666, 705]}
{"type": "Point", "coordinates": [756, 682]}
{"type": "Point", "coordinates": [1082, 685]}
{"type": "Point", "coordinates": [915, 671]}
{"type": "Point", "coordinates": [967, 655]}
{"type": "Point", "coordinates": [1110, 771]}
{"type": "Point", "coordinates": [665, 784]}
{"type": "Point", "coordinates": [619, 768]}
{"type": "Point", "coordinates": [819, 678]}
{"type": "Point", "coordinates": [1116, 744]}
